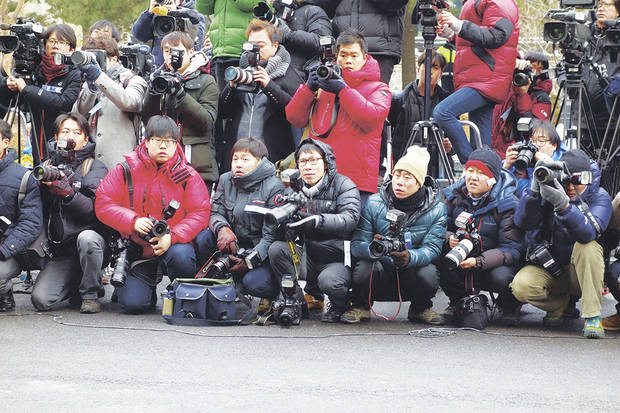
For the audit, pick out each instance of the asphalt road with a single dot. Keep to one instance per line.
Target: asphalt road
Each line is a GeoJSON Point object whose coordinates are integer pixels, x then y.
{"type": "Point", "coordinates": [64, 361]}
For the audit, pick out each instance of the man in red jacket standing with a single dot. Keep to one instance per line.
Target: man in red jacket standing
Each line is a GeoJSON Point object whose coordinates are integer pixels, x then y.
{"type": "Point", "coordinates": [347, 112]}
{"type": "Point", "coordinates": [129, 202]}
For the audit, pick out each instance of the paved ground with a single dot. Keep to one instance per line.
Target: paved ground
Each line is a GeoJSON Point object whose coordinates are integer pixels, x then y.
{"type": "Point", "coordinates": [114, 362]}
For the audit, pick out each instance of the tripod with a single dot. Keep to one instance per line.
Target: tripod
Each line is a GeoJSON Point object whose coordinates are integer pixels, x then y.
{"type": "Point", "coordinates": [15, 111]}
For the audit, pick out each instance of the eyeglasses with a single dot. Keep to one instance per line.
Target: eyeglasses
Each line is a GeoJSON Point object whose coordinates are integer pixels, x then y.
{"type": "Point", "coordinates": [167, 142]}
{"type": "Point", "coordinates": [311, 161]}
{"type": "Point", "coordinates": [540, 141]}
{"type": "Point", "coordinates": [55, 42]}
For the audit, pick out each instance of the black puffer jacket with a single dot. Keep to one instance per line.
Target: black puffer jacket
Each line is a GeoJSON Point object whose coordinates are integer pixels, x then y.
{"type": "Point", "coordinates": [25, 221]}
{"type": "Point", "coordinates": [337, 202]}
{"type": "Point", "coordinates": [68, 218]}
{"type": "Point", "coordinates": [234, 194]}
{"type": "Point", "coordinates": [380, 21]}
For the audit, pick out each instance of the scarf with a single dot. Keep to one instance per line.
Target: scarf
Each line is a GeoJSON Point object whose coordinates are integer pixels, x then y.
{"type": "Point", "coordinates": [411, 203]}
{"type": "Point", "coordinates": [50, 69]}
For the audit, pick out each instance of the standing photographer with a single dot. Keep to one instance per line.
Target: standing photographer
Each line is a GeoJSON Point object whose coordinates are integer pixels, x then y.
{"type": "Point", "coordinates": [25, 217]}
{"type": "Point", "coordinates": [564, 219]}
{"type": "Point", "coordinates": [74, 234]}
{"type": "Point", "coordinates": [52, 89]}
{"type": "Point", "coordinates": [112, 100]}
{"type": "Point", "coordinates": [487, 33]}
{"type": "Point", "coordinates": [130, 201]}
{"type": "Point", "coordinates": [613, 273]}
{"type": "Point", "coordinates": [260, 113]}
{"type": "Point", "coordinates": [330, 212]}
{"type": "Point", "coordinates": [486, 192]}
{"type": "Point", "coordinates": [190, 97]}
{"type": "Point", "coordinates": [252, 182]}
{"type": "Point", "coordinates": [406, 272]}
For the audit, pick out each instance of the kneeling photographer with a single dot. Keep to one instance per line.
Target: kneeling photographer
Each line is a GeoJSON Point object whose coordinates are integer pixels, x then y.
{"type": "Point", "coordinates": [44, 88]}
{"type": "Point", "coordinates": [75, 237]}
{"type": "Point", "coordinates": [544, 145]}
{"type": "Point", "coordinates": [329, 205]}
{"type": "Point", "coordinates": [484, 245]}
{"type": "Point", "coordinates": [158, 202]}
{"type": "Point", "coordinates": [564, 213]}
{"type": "Point", "coordinates": [398, 236]}
{"type": "Point", "coordinates": [235, 222]}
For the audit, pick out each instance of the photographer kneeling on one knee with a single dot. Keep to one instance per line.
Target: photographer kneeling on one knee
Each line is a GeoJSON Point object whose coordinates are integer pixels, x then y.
{"type": "Point", "coordinates": [481, 208]}
{"type": "Point", "coordinates": [75, 238]}
{"type": "Point", "coordinates": [408, 209]}
{"type": "Point", "coordinates": [132, 201]}
{"type": "Point", "coordinates": [564, 213]}
{"type": "Point", "coordinates": [329, 206]}
{"type": "Point", "coordinates": [234, 223]}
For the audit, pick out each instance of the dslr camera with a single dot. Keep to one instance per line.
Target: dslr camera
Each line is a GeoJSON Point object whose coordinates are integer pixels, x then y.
{"type": "Point", "coordinates": [548, 171]}
{"type": "Point", "coordinates": [287, 309]}
{"type": "Point", "coordinates": [521, 77]}
{"type": "Point", "coordinates": [287, 209]}
{"type": "Point", "coordinates": [469, 241]}
{"type": "Point", "coordinates": [25, 44]}
{"type": "Point", "coordinates": [82, 57]}
{"type": "Point", "coordinates": [161, 227]}
{"type": "Point", "coordinates": [328, 67]}
{"type": "Point", "coordinates": [180, 20]}
{"type": "Point", "coordinates": [123, 251]}
{"type": "Point", "coordinates": [282, 9]}
{"type": "Point", "coordinates": [244, 78]}
{"type": "Point", "coordinates": [393, 242]}
{"type": "Point", "coordinates": [65, 153]}
{"type": "Point", "coordinates": [541, 257]}
{"type": "Point", "coordinates": [169, 83]}
{"type": "Point", "coordinates": [219, 265]}
{"type": "Point", "coordinates": [137, 58]}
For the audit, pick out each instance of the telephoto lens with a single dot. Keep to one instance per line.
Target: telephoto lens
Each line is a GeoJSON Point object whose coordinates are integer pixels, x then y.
{"type": "Point", "coordinates": [238, 75]}
{"type": "Point", "coordinates": [121, 269]}
{"type": "Point", "coordinates": [457, 254]}
{"type": "Point", "coordinates": [46, 173]}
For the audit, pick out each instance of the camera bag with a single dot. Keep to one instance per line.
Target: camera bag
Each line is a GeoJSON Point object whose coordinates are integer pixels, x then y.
{"type": "Point", "coordinates": [472, 312]}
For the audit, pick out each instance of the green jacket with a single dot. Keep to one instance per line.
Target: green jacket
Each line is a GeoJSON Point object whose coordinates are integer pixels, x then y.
{"type": "Point", "coordinates": [230, 19]}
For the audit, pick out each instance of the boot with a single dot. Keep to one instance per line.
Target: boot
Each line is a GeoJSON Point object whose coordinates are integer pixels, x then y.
{"type": "Point", "coordinates": [7, 302]}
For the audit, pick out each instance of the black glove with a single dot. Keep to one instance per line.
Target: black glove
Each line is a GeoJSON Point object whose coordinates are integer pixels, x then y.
{"type": "Point", "coordinates": [400, 258]}
{"type": "Point", "coordinates": [307, 223]}
{"type": "Point", "coordinates": [313, 81]}
{"type": "Point", "coordinates": [333, 85]}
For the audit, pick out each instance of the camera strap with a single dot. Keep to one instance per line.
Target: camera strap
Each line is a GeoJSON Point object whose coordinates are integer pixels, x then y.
{"type": "Point", "coordinates": [400, 299]}
{"type": "Point", "coordinates": [583, 207]}
{"type": "Point", "coordinates": [335, 109]}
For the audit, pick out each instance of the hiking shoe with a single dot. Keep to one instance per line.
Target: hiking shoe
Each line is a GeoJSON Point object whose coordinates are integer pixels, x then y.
{"type": "Point", "coordinates": [592, 328]}
{"type": "Point", "coordinates": [264, 305]}
{"type": "Point", "coordinates": [611, 323]}
{"type": "Point", "coordinates": [428, 316]}
{"type": "Point", "coordinates": [90, 306]}
{"type": "Point", "coordinates": [355, 315]}
{"type": "Point", "coordinates": [7, 302]}
{"type": "Point", "coordinates": [313, 303]}
{"type": "Point", "coordinates": [559, 319]}
{"type": "Point", "coordinates": [510, 317]}
{"type": "Point", "coordinates": [332, 315]}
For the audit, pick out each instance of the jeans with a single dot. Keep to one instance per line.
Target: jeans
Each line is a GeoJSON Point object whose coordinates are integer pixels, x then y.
{"type": "Point", "coordinates": [9, 269]}
{"type": "Point", "coordinates": [480, 110]}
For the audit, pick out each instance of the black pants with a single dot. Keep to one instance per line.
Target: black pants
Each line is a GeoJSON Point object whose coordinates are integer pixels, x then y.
{"type": "Point", "coordinates": [496, 280]}
{"type": "Point", "coordinates": [612, 276]}
{"type": "Point", "coordinates": [386, 66]}
{"type": "Point", "coordinates": [417, 285]}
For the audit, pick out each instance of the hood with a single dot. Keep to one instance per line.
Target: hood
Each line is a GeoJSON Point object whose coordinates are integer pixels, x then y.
{"type": "Point", "coordinates": [432, 195]}
{"type": "Point", "coordinates": [369, 72]}
{"type": "Point", "coordinates": [328, 156]}
{"type": "Point", "coordinates": [263, 170]}
{"type": "Point", "coordinates": [11, 156]}
{"type": "Point", "coordinates": [500, 196]}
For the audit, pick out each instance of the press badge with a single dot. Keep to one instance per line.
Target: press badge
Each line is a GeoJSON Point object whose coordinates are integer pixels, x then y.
{"type": "Point", "coordinates": [53, 89]}
{"type": "Point", "coordinates": [95, 109]}
{"type": "Point", "coordinates": [256, 208]}
{"type": "Point", "coordinates": [188, 153]}
{"type": "Point", "coordinates": [347, 253]}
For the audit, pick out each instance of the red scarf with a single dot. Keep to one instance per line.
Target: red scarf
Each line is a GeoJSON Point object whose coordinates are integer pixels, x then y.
{"type": "Point", "coordinates": [50, 69]}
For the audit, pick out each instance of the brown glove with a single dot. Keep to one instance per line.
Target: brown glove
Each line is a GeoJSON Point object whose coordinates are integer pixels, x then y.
{"type": "Point", "coordinates": [401, 258]}
{"type": "Point", "coordinates": [239, 267]}
{"type": "Point", "coordinates": [226, 240]}
{"type": "Point", "coordinates": [377, 236]}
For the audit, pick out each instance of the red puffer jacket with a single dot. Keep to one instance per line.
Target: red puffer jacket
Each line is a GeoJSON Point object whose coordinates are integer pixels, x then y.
{"type": "Point", "coordinates": [486, 47]}
{"type": "Point", "coordinates": [356, 135]}
{"type": "Point", "coordinates": [153, 189]}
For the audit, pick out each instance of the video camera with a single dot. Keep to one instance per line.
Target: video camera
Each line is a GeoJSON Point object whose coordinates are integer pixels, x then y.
{"type": "Point", "coordinates": [328, 67]}
{"type": "Point", "coordinates": [137, 58]}
{"type": "Point", "coordinates": [82, 57]}
{"type": "Point", "coordinates": [161, 227]}
{"type": "Point", "coordinates": [65, 153]}
{"type": "Point", "coordinates": [381, 247]}
{"type": "Point", "coordinates": [548, 171]}
{"type": "Point", "coordinates": [244, 78]}
{"type": "Point", "coordinates": [282, 9]}
{"type": "Point", "coordinates": [180, 20]}
{"type": "Point", "coordinates": [469, 241]}
{"type": "Point", "coordinates": [287, 309]}
{"type": "Point", "coordinates": [25, 44]}
{"type": "Point", "coordinates": [425, 14]}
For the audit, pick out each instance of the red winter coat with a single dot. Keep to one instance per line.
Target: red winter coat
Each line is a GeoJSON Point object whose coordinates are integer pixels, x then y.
{"type": "Point", "coordinates": [356, 136]}
{"type": "Point", "coordinates": [536, 103]}
{"type": "Point", "coordinates": [486, 47]}
{"type": "Point", "coordinates": [154, 188]}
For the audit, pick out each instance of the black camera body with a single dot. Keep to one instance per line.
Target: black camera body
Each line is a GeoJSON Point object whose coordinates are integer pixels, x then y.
{"type": "Point", "coordinates": [64, 153]}
{"type": "Point", "coordinates": [545, 174]}
{"type": "Point", "coordinates": [161, 227]}
{"type": "Point", "coordinates": [25, 44]}
{"type": "Point", "coordinates": [525, 158]}
{"type": "Point", "coordinates": [170, 82]}
{"type": "Point", "coordinates": [287, 209]}
{"type": "Point", "coordinates": [328, 67]}
{"type": "Point", "coordinates": [180, 20]}
{"type": "Point", "coordinates": [283, 9]}
{"type": "Point", "coordinates": [469, 241]}
{"type": "Point", "coordinates": [220, 264]}
{"type": "Point", "coordinates": [137, 58]}
{"type": "Point", "coordinates": [82, 57]}
{"type": "Point", "coordinates": [5, 223]}
{"type": "Point", "coordinates": [287, 309]}
{"type": "Point", "coordinates": [541, 257]}
{"type": "Point", "coordinates": [521, 77]}
{"type": "Point", "coordinates": [393, 242]}
{"type": "Point", "coordinates": [244, 78]}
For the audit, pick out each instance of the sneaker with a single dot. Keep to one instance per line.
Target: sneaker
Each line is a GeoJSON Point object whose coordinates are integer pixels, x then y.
{"type": "Point", "coordinates": [7, 302]}
{"type": "Point", "coordinates": [264, 305]}
{"type": "Point", "coordinates": [559, 319]}
{"type": "Point", "coordinates": [592, 328]}
{"type": "Point", "coordinates": [331, 315]}
{"type": "Point", "coordinates": [449, 314]}
{"type": "Point", "coordinates": [355, 315]}
{"type": "Point", "coordinates": [611, 323]}
{"type": "Point", "coordinates": [90, 306]}
{"type": "Point", "coordinates": [313, 303]}
{"type": "Point", "coordinates": [428, 316]}
{"type": "Point", "coordinates": [510, 317]}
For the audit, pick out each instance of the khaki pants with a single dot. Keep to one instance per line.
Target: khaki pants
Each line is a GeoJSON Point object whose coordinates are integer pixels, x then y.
{"type": "Point", "coordinates": [583, 278]}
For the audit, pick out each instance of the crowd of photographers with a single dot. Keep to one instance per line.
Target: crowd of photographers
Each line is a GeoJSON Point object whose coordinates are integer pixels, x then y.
{"type": "Point", "coordinates": [254, 145]}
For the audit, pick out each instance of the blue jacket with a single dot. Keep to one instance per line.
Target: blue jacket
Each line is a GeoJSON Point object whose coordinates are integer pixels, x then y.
{"type": "Point", "coordinates": [526, 180]}
{"type": "Point", "coordinates": [568, 226]}
{"type": "Point", "coordinates": [26, 221]}
{"type": "Point", "coordinates": [427, 226]}
{"type": "Point", "coordinates": [501, 240]}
